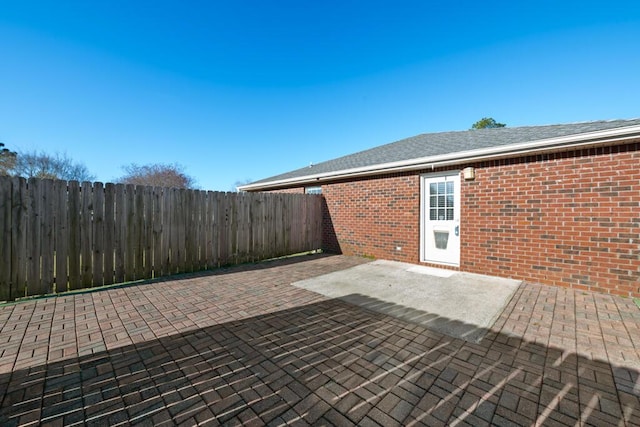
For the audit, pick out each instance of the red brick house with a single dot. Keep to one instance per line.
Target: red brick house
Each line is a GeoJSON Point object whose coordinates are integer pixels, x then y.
{"type": "Point", "coordinates": [556, 204]}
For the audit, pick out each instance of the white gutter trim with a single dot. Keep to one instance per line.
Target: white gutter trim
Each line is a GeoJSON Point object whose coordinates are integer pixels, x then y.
{"type": "Point", "coordinates": [582, 140]}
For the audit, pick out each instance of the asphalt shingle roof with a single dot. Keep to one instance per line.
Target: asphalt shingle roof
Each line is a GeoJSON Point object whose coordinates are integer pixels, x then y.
{"type": "Point", "coordinates": [433, 144]}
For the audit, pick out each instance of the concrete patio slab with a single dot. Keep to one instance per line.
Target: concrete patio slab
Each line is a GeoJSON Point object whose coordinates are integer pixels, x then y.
{"type": "Point", "coordinates": [241, 346]}
{"type": "Point", "coordinates": [461, 305]}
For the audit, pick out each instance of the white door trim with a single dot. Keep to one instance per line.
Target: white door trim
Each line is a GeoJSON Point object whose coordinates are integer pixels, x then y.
{"type": "Point", "coordinates": [424, 213]}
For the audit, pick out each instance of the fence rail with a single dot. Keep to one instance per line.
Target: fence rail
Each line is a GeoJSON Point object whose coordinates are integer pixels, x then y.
{"type": "Point", "coordinates": [57, 235]}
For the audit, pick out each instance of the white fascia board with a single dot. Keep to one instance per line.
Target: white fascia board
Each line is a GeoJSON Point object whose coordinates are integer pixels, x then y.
{"type": "Point", "coordinates": [541, 146]}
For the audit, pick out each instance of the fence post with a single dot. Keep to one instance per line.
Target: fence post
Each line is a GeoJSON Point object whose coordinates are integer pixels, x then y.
{"type": "Point", "coordinates": [57, 236]}
{"type": "Point", "coordinates": [19, 215]}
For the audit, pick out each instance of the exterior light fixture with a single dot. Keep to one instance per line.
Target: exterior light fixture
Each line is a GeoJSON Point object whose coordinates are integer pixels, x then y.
{"type": "Point", "coordinates": [469, 174]}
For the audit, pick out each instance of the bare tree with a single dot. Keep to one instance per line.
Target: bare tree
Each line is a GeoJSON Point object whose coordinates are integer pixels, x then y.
{"type": "Point", "coordinates": [7, 160]}
{"type": "Point", "coordinates": [34, 164]}
{"type": "Point", "coordinates": [157, 175]}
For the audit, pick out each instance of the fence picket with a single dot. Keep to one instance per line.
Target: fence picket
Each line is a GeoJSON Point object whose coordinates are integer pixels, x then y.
{"type": "Point", "coordinates": [5, 239]}
{"type": "Point", "coordinates": [98, 234]}
{"type": "Point", "coordinates": [86, 235]}
{"type": "Point", "coordinates": [224, 228]}
{"type": "Point", "coordinates": [202, 227]}
{"type": "Point", "coordinates": [109, 232]}
{"type": "Point", "coordinates": [57, 236]}
{"type": "Point", "coordinates": [147, 193]}
{"type": "Point", "coordinates": [280, 225]}
{"type": "Point", "coordinates": [74, 235]}
{"type": "Point", "coordinates": [61, 231]}
{"type": "Point", "coordinates": [138, 233]}
{"type": "Point", "coordinates": [270, 239]}
{"type": "Point", "coordinates": [207, 230]}
{"type": "Point", "coordinates": [166, 230]}
{"type": "Point", "coordinates": [233, 227]}
{"type": "Point", "coordinates": [174, 245]}
{"type": "Point", "coordinates": [242, 229]}
{"type": "Point", "coordinates": [33, 237]}
{"type": "Point", "coordinates": [181, 225]}
{"type": "Point", "coordinates": [19, 215]}
{"type": "Point", "coordinates": [130, 233]}
{"type": "Point", "coordinates": [215, 229]}
{"type": "Point", "coordinates": [157, 266]}
{"type": "Point", "coordinates": [47, 244]}
{"type": "Point", "coordinates": [188, 229]}
{"type": "Point", "coordinates": [119, 234]}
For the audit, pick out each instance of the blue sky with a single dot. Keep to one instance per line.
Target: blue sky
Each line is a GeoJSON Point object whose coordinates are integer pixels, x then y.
{"type": "Point", "coordinates": [249, 89]}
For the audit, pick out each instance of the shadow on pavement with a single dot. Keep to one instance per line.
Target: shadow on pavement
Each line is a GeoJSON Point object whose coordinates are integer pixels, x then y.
{"type": "Point", "coordinates": [451, 327]}
{"type": "Point", "coordinates": [329, 362]}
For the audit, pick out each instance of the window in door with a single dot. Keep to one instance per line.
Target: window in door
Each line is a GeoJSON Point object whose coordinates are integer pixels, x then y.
{"type": "Point", "coordinates": [441, 201]}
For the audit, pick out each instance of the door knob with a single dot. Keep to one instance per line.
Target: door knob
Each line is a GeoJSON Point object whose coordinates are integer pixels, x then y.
{"type": "Point", "coordinates": [457, 230]}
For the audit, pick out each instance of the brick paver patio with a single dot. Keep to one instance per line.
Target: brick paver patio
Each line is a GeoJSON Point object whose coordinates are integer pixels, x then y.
{"type": "Point", "coordinates": [242, 346]}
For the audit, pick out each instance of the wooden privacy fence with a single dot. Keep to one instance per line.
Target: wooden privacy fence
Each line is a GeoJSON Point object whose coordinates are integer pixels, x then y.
{"type": "Point", "coordinates": [57, 235]}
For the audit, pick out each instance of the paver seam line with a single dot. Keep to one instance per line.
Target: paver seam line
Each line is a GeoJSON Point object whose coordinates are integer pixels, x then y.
{"type": "Point", "coordinates": [609, 359]}
{"type": "Point", "coordinates": [33, 311]}
{"type": "Point", "coordinates": [545, 412]}
{"type": "Point", "coordinates": [546, 346]}
{"type": "Point", "coordinates": [119, 317]}
{"type": "Point", "coordinates": [179, 331]}
{"type": "Point", "coordinates": [603, 315]}
{"type": "Point", "coordinates": [343, 351]}
{"type": "Point", "coordinates": [104, 342]}
{"type": "Point", "coordinates": [505, 315]}
{"type": "Point", "coordinates": [16, 356]}
{"type": "Point", "coordinates": [512, 373]}
{"type": "Point", "coordinates": [162, 312]}
{"type": "Point", "coordinates": [8, 316]}
{"type": "Point", "coordinates": [584, 412]}
{"type": "Point", "coordinates": [625, 321]}
{"type": "Point", "coordinates": [455, 419]}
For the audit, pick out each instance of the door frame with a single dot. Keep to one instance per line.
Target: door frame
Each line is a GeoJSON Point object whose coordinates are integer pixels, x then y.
{"type": "Point", "coordinates": [423, 213]}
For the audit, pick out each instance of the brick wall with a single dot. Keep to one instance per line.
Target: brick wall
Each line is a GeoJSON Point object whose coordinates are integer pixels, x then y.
{"type": "Point", "coordinates": [569, 219]}
{"type": "Point", "coordinates": [373, 217]}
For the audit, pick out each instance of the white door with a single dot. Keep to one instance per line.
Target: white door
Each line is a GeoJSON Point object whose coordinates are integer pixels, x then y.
{"type": "Point", "coordinates": [441, 219]}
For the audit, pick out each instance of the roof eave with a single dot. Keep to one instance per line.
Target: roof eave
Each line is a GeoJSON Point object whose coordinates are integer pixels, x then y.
{"type": "Point", "coordinates": [577, 141]}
